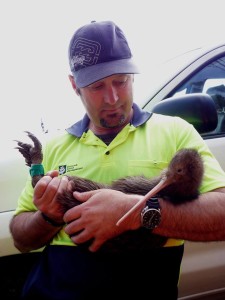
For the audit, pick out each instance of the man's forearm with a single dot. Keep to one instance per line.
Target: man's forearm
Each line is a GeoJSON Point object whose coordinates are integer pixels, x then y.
{"type": "Point", "coordinates": [30, 231]}
{"type": "Point", "coordinates": [200, 220]}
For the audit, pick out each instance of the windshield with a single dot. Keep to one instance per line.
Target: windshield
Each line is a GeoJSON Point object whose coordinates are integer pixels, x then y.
{"type": "Point", "coordinates": [154, 75]}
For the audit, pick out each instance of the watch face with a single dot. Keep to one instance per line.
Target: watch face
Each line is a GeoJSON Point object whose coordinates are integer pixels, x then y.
{"type": "Point", "coordinates": [151, 218]}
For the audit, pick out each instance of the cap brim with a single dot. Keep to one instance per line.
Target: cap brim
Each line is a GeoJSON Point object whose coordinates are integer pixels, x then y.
{"type": "Point", "coordinates": [91, 74]}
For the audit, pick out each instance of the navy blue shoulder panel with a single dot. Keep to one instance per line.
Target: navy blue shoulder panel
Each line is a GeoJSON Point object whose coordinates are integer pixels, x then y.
{"type": "Point", "coordinates": [139, 117]}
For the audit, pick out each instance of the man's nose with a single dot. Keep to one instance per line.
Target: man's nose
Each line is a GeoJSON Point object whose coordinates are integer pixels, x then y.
{"type": "Point", "coordinates": [111, 95]}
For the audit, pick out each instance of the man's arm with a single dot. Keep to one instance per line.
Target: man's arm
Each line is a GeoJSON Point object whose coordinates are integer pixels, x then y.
{"type": "Point", "coordinates": [30, 231]}
{"type": "Point", "coordinates": [203, 219]}
{"type": "Point", "coordinates": [200, 220]}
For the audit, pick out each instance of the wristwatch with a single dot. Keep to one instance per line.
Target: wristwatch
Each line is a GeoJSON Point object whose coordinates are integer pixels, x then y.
{"type": "Point", "coordinates": [151, 214]}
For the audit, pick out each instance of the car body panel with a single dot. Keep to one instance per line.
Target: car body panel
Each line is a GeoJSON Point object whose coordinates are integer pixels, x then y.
{"type": "Point", "coordinates": [200, 264]}
{"type": "Point", "coordinates": [6, 244]}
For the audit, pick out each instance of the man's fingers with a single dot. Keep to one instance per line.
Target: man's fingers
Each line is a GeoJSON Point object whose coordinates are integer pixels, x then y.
{"type": "Point", "coordinates": [95, 245]}
{"type": "Point", "coordinates": [50, 185]}
{"type": "Point", "coordinates": [41, 186]}
{"type": "Point", "coordinates": [53, 173]}
{"type": "Point", "coordinates": [82, 197]}
{"type": "Point", "coordinates": [72, 214]}
{"type": "Point", "coordinates": [63, 184]}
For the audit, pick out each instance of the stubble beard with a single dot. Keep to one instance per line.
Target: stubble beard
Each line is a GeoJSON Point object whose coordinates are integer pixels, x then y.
{"type": "Point", "coordinates": [106, 124]}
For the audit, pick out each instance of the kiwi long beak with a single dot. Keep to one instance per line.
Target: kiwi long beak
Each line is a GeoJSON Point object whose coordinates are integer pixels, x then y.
{"type": "Point", "coordinates": [163, 183]}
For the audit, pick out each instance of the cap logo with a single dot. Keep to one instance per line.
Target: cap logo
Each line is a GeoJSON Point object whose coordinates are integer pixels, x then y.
{"type": "Point", "coordinates": [85, 53]}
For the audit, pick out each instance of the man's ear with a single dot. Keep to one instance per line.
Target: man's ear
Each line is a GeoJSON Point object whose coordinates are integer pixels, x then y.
{"type": "Point", "coordinates": [72, 82]}
{"type": "Point", "coordinates": [74, 85]}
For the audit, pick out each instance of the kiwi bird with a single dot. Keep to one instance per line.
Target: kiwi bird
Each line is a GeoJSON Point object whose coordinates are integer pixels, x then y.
{"type": "Point", "coordinates": [178, 183]}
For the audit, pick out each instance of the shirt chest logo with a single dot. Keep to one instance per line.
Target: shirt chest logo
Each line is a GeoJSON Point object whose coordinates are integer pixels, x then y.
{"type": "Point", "coordinates": [63, 169]}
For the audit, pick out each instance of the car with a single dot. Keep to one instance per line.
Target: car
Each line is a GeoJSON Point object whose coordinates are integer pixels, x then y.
{"type": "Point", "coordinates": [191, 86]}
{"type": "Point", "coordinates": [202, 71]}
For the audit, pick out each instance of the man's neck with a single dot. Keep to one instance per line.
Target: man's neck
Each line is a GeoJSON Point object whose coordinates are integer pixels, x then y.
{"type": "Point", "coordinates": [107, 138]}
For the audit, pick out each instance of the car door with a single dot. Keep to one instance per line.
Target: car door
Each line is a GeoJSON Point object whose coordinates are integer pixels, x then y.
{"type": "Point", "coordinates": [203, 265]}
{"type": "Point", "coordinates": [205, 74]}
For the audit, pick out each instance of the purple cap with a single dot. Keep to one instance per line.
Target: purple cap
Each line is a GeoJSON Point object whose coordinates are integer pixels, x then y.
{"type": "Point", "coordinates": [99, 50]}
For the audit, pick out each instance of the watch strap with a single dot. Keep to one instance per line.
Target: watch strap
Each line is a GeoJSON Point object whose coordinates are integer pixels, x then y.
{"type": "Point", "coordinates": [153, 203]}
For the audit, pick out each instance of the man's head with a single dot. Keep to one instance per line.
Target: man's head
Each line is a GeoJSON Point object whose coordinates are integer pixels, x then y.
{"type": "Point", "coordinates": [99, 50]}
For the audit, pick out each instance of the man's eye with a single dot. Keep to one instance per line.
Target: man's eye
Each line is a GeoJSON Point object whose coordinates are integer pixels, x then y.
{"type": "Point", "coordinates": [121, 82]}
{"type": "Point", "coordinates": [96, 87]}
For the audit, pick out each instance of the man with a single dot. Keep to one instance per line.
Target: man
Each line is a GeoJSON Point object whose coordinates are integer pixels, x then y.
{"type": "Point", "coordinates": [114, 139]}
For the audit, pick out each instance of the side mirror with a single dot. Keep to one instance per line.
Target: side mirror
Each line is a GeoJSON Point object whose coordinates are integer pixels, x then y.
{"type": "Point", "coordinates": [197, 109]}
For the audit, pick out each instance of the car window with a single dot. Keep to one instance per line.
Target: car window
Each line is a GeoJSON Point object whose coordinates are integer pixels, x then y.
{"type": "Point", "coordinates": [210, 80]}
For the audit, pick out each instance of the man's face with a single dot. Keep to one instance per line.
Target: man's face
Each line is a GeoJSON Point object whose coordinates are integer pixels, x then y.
{"type": "Point", "coordinates": [108, 102]}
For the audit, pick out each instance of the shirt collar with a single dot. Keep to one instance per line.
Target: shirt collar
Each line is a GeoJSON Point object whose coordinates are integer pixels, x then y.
{"type": "Point", "coordinates": [139, 117]}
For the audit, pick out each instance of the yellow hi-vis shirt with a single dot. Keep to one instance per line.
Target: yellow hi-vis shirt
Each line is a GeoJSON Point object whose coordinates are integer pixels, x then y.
{"type": "Point", "coordinates": [144, 147]}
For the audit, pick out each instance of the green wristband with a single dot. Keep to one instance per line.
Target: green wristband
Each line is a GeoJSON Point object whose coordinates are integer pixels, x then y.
{"type": "Point", "coordinates": [37, 170]}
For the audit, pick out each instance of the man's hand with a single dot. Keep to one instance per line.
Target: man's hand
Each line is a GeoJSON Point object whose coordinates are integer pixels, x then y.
{"type": "Point", "coordinates": [95, 219]}
{"type": "Point", "coordinates": [45, 195]}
